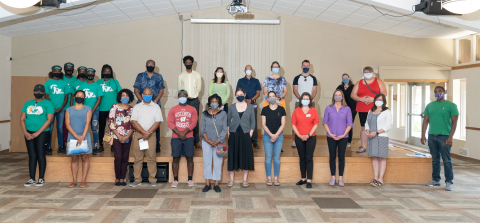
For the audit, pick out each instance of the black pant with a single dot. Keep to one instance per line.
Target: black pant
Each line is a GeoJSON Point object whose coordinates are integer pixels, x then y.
{"type": "Point", "coordinates": [350, 134]}
{"type": "Point", "coordinates": [121, 152]}
{"type": "Point", "coordinates": [305, 152]}
{"type": "Point", "coordinates": [255, 131]}
{"type": "Point", "coordinates": [194, 102]}
{"type": "Point", "coordinates": [36, 153]}
{"type": "Point", "coordinates": [332, 149]}
{"type": "Point", "coordinates": [102, 122]}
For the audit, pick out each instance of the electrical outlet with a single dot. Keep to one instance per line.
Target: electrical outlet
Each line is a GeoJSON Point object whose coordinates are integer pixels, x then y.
{"type": "Point", "coordinates": [463, 152]}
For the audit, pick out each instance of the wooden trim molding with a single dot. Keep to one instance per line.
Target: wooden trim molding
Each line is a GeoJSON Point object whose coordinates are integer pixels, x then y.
{"type": "Point", "coordinates": [4, 121]}
{"type": "Point", "coordinates": [466, 66]}
{"type": "Point", "coordinates": [472, 128]}
{"type": "Point", "coordinates": [416, 80]}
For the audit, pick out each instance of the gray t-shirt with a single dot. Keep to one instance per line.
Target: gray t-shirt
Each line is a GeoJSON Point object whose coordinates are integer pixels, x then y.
{"type": "Point", "coordinates": [305, 84]}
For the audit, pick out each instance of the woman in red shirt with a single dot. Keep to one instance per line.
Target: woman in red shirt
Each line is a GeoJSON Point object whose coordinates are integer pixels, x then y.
{"type": "Point", "coordinates": [304, 123]}
{"type": "Point", "coordinates": [364, 92]}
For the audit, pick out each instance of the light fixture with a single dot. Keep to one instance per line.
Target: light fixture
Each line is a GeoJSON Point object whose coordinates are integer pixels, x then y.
{"type": "Point", "coordinates": [236, 21]}
{"type": "Point", "coordinates": [461, 6]}
{"type": "Point", "coordinates": [19, 3]}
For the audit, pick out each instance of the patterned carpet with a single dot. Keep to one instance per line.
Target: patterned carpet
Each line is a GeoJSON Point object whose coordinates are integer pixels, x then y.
{"type": "Point", "coordinates": [104, 202]}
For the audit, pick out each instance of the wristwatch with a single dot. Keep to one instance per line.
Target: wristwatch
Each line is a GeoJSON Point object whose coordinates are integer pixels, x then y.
{"type": "Point", "coordinates": [309, 136]}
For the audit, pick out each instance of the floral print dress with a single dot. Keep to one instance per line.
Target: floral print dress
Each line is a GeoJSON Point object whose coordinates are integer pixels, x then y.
{"type": "Point", "coordinates": [119, 120]}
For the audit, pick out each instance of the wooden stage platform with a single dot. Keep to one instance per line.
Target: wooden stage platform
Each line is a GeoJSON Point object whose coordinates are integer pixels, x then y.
{"type": "Point", "coordinates": [358, 167]}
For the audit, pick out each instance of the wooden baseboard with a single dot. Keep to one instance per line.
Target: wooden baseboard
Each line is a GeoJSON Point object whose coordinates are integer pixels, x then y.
{"type": "Point", "coordinates": [472, 128]}
{"type": "Point", "coordinates": [4, 121]}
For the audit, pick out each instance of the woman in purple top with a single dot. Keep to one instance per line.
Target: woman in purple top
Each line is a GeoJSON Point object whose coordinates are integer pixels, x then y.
{"type": "Point", "coordinates": [337, 121]}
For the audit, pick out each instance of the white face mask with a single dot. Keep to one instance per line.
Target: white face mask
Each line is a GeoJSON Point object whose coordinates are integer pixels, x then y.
{"type": "Point", "coordinates": [379, 103]}
{"type": "Point", "coordinates": [368, 75]}
{"type": "Point", "coordinates": [248, 72]}
{"type": "Point", "coordinates": [219, 75]}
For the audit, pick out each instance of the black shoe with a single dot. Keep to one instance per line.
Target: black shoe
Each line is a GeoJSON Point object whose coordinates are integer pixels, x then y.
{"type": "Point", "coordinates": [124, 183]}
{"type": "Point", "coordinates": [101, 149]}
{"type": "Point", "coordinates": [61, 150]}
{"type": "Point", "coordinates": [158, 149]}
{"type": "Point", "coordinates": [118, 183]}
{"type": "Point", "coordinates": [256, 146]}
{"type": "Point", "coordinates": [309, 185]}
{"type": "Point", "coordinates": [301, 182]}
{"type": "Point", "coordinates": [49, 151]}
{"type": "Point", "coordinates": [217, 189]}
{"type": "Point", "coordinates": [111, 149]}
{"type": "Point", "coordinates": [95, 151]}
{"type": "Point", "coordinates": [206, 188]}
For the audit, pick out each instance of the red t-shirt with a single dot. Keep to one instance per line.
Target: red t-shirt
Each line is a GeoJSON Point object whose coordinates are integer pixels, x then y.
{"type": "Point", "coordinates": [364, 91]}
{"type": "Point", "coordinates": [182, 117]}
{"type": "Point", "coordinates": [305, 122]}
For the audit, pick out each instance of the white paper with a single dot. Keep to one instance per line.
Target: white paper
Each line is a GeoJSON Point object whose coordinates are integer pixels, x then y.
{"type": "Point", "coordinates": [143, 144]}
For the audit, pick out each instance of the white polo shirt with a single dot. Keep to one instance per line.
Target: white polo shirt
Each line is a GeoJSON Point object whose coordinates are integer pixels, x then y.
{"type": "Point", "coordinates": [147, 115]}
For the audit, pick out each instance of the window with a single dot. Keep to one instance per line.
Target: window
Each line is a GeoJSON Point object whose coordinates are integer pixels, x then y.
{"type": "Point", "coordinates": [402, 105]}
{"type": "Point", "coordinates": [464, 50]}
{"type": "Point", "coordinates": [460, 99]}
{"type": "Point", "coordinates": [390, 104]}
{"type": "Point", "coordinates": [477, 51]}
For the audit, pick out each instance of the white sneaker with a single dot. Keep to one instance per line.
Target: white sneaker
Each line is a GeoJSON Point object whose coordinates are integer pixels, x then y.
{"type": "Point", "coordinates": [29, 183]}
{"type": "Point", "coordinates": [293, 145]}
{"type": "Point", "coordinates": [40, 182]}
{"type": "Point", "coordinates": [135, 184]}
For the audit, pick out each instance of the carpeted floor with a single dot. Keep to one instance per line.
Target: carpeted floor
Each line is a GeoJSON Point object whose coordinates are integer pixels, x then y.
{"type": "Point", "coordinates": [104, 202]}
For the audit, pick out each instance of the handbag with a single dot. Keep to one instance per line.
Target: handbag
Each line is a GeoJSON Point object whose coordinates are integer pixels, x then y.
{"type": "Point", "coordinates": [108, 139]}
{"type": "Point", "coordinates": [222, 147]}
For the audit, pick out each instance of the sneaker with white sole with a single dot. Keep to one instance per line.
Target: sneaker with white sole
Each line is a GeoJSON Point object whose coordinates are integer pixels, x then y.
{"type": "Point", "coordinates": [349, 144]}
{"type": "Point", "coordinates": [29, 183]}
{"type": "Point", "coordinates": [448, 186]}
{"type": "Point", "coordinates": [191, 184]}
{"type": "Point", "coordinates": [40, 182]}
{"type": "Point", "coordinates": [153, 184]}
{"type": "Point", "coordinates": [175, 184]}
{"type": "Point", "coordinates": [433, 183]}
{"type": "Point", "coordinates": [293, 145]}
{"type": "Point", "coordinates": [135, 184]}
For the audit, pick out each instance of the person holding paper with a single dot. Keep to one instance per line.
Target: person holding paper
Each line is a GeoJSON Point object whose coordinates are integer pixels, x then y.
{"type": "Point", "coordinates": [78, 120]}
{"type": "Point", "coordinates": [182, 119]}
{"type": "Point", "coordinates": [146, 118]}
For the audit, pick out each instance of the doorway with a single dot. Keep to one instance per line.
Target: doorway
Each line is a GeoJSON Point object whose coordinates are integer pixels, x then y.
{"type": "Point", "coordinates": [419, 98]}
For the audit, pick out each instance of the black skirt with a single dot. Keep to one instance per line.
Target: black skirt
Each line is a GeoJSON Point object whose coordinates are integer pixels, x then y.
{"type": "Point", "coordinates": [240, 151]}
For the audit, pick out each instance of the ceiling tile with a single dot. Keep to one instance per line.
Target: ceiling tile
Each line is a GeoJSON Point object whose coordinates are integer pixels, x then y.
{"type": "Point", "coordinates": [186, 8]}
{"type": "Point", "coordinates": [418, 22]}
{"type": "Point", "coordinates": [264, 6]}
{"type": "Point", "coordinates": [147, 2]}
{"type": "Point", "coordinates": [227, 2]}
{"type": "Point", "coordinates": [35, 23]}
{"type": "Point", "coordinates": [183, 2]}
{"type": "Point", "coordinates": [93, 22]}
{"type": "Point", "coordinates": [84, 16]}
{"type": "Point", "coordinates": [307, 14]}
{"type": "Point", "coordinates": [210, 4]}
{"type": "Point", "coordinates": [369, 11]}
{"type": "Point", "coordinates": [334, 13]}
{"type": "Point", "coordinates": [45, 29]}
{"type": "Point", "coordinates": [349, 3]}
{"type": "Point", "coordinates": [54, 20]}
{"type": "Point", "coordinates": [327, 18]}
{"type": "Point", "coordinates": [284, 10]}
{"type": "Point", "coordinates": [110, 13]}
{"type": "Point", "coordinates": [317, 3]}
{"type": "Point", "coordinates": [373, 27]}
{"type": "Point", "coordinates": [140, 15]}
{"type": "Point", "coordinates": [353, 23]}
{"type": "Point", "coordinates": [271, 2]}
{"type": "Point", "coordinates": [127, 3]}
{"type": "Point", "coordinates": [12, 27]}
{"type": "Point", "coordinates": [118, 18]}
{"type": "Point", "coordinates": [343, 8]}
{"type": "Point", "coordinates": [107, 6]}
{"type": "Point", "coordinates": [159, 6]}
{"type": "Point", "coordinates": [70, 25]}
{"type": "Point", "coordinates": [360, 18]}
{"type": "Point", "coordinates": [288, 4]}
{"type": "Point", "coordinates": [383, 21]}
{"type": "Point", "coordinates": [312, 9]}
{"type": "Point", "coordinates": [137, 9]}
{"type": "Point", "coordinates": [164, 12]}
{"type": "Point", "coordinates": [22, 32]}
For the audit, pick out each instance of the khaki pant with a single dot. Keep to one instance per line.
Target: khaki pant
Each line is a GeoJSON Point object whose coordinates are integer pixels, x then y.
{"type": "Point", "coordinates": [150, 153]}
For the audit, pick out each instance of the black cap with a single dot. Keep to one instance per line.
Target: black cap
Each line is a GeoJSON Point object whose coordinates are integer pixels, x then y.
{"type": "Point", "coordinates": [39, 87]}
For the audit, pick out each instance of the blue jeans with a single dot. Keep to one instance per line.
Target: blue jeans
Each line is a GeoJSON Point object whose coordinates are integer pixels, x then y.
{"type": "Point", "coordinates": [60, 117]}
{"type": "Point", "coordinates": [438, 148]}
{"type": "Point", "coordinates": [272, 149]}
{"type": "Point", "coordinates": [94, 127]}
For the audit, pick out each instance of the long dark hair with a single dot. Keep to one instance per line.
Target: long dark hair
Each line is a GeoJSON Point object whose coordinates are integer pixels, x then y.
{"type": "Point", "coordinates": [384, 106]}
{"type": "Point", "coordinates": [108, 66]}
{"type": "Point", "coordinates": [215, 75]}
{"type": "Point", "coordinates": [350, 83]}
{"type": "Point", "coordinates": [309, 98]}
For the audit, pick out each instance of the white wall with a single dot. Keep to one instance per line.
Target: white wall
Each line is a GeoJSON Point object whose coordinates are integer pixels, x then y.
{"type": "Point", "coordinates": [5, 76]}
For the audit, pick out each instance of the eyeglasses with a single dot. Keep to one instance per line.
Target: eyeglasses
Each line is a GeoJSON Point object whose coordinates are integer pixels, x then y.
{"type": "Point", "coordinates": [305, 79]}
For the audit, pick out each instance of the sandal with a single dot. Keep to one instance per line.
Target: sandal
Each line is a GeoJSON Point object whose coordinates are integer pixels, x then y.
{"type": "Point", "coordinates": [361, 150]}
{"type": "Point", "coordinates": [83, 184]}
{"type": "Point", "coordinates": [379, 183]}
{"type": "Point", "coordinates": [245, 184]}
{"type": "Point", "coordinates": [277, 183]}
{"type": "Point", "coordinates": [230, 184]}
{"type": "Point", "coordinates": [340, 183]}
{"type": "Point", "coordinates": [332, 183]}
{"type": "Point", "coordinates": [269, 183]}
{"type": "Point", "coordinates": [72, 185]}
{"type": "Point", "coordinates": [375, 183]}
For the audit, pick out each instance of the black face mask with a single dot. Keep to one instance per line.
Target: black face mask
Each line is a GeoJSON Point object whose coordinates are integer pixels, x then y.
{"type": "Point", "coordinates": [91, 77]}
{"type": "Point", "coordinates": [38, 95]}
{"type": "Point", "coordinates": [188, 67]}
{"type": "Point", "coordinates": [150, 68]}
{"type": "Point", "coordinates": [59, 75]}
{"type": "Point", "coordinates": [79, 100]}
{"type": "Point", "coordinates": [82, 75]}
{"type": "Point", "coordinates": [107, 75]}
{"type": "Point", "coordinates": [69, 72]}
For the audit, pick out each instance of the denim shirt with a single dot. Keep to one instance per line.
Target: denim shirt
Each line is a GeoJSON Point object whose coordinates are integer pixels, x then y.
{"type": "Point", "coordinates": [155, 84]}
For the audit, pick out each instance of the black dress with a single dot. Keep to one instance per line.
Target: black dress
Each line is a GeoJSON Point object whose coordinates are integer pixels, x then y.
{"type": "Point", "coordinates": [240, 150]}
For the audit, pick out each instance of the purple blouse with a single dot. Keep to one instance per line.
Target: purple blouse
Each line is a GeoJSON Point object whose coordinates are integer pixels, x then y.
{"type": "Point", "coordinates": [337, 121]}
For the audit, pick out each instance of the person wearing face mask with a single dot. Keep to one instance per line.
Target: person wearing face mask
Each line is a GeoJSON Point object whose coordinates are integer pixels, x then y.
{"type": "Point", "coordinates": [273, 122]}
{"type": "Point", "coordinates": [154, 81]}
{"type": "Point", "coordinates": [302, 83]}
{"type": "Point", "coordinates": [220, 87]}
{"type": "Point", "coordinates": [252, 89]}
{"type": "Point", "coordinates": [110, 88]}
{"type": "Point", "coordinates": [93, 98]}
{"type": "Point", "coordinates": [146, 118]}
{"type": "Point", "coordinates": [213, 130]}
{"type": "Point", "coordinates": [240, 126]}
{"type": "Point", "coordinates": [277, 84]}
{"type": "Point", "coordinates": [442, 116]}
{"type": "Point", "coordinates": [69, 78]}
{"type": "Point", "coordinates": [182, 119]}
{"type": "Point", "coordinates": [78, 120]}
{"type": "Point", "coordinates": [346, 87]}
{"type": "Point", "coordinates": [121, 129]}
{"type": "Point", "coordinates": [81, 78]}
{"type": "Point", "coordinates": [337, 121]}
{"type": "Point", "coordinates": [363, 93]}
{"type": "Point", "coordinates": [191, 81]}
{"type": "Point", "coordinates": [35, 122]}
{"type": "Point", "coordinates": [304, 123]}
{"type": "Point", "coordinates": [379, 121]}
{"type": "Point", "coordinates": [56, 91]}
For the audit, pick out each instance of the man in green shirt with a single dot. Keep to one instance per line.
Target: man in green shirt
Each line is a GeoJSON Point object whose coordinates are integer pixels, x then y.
{"type": "Point", "coordinates": [93, 98]}
{"type": "Point", "coordinates": [56, 91]}
{"type": "Point", "coordinates": [442, 115]}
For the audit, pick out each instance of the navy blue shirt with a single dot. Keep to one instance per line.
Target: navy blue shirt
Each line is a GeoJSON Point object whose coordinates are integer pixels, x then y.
{"type": "Point", "coordinates": [251, 86]}
{"type": "Point", "coordinates": [155, 84]}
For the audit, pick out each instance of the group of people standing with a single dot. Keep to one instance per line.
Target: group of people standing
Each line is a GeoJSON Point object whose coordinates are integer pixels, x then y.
{"type": "Point", "coordinates": [81, 103]}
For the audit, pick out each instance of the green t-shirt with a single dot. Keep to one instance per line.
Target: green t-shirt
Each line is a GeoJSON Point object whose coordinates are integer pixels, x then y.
{"type": "Point", "coordinates": [37, 114]}
{"type": "Point", "coordinates": [70, 82]}
{"type": "Point", "coordinates": [110, 89]}
{"type": "Point", "coordinates": [76, 84]}
{"type": "Point", "coordinates": [56, 90]}
{"type": "Point", "coordinates": [440, 117]}
{"type": "Point", "coordinates": [92, 91]}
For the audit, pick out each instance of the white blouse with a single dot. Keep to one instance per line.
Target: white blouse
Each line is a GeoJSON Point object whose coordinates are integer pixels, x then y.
{"type": "Point", "coordinates": [384, 121]}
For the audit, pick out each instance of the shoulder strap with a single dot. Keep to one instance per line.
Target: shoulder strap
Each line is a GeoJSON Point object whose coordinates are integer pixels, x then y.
{"type": "Point", "coordinates": [369, 87]}
{"type": "Point", "coordinates": [213, 118]}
